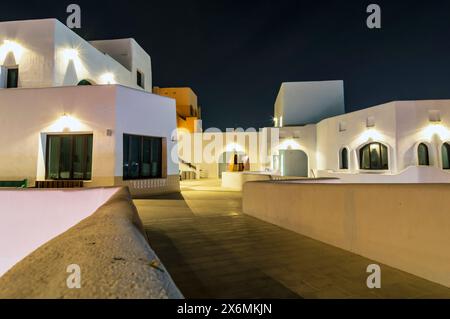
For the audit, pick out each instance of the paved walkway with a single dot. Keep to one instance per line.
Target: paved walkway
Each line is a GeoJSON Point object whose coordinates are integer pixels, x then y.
{"type": "Point", "coordinates": [212, 250]}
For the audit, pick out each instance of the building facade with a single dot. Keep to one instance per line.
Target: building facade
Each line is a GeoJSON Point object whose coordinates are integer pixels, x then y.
{"type": "Point", "coordinates": [73, 110]}
{"type": "Point", "coordinates": [396, 142]}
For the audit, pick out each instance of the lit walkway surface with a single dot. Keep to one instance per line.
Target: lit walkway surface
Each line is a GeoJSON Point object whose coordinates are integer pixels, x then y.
{"type": "Point", "coordinates": [212, 250]}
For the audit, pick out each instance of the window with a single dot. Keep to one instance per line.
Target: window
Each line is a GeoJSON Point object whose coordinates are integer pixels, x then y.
{"type": "Point", "coordinates": [142, 157]}
{"type": "Point", "coordinates": [69, 157]}
{"type": "Point", "coordinates": [423, 155]}
{"type": "Point", "coordinates": [12, 78]}
{"type": "Point", "coordinates": [140, 79]}
{"type": "Point", "coordinates": [344, 159]}
{"type": "Point", "coordinates": [446, 156]}
{"type": "Point", "coordinates": [84, 82]}
{"type": "Point", "coordinates": [374, 156]}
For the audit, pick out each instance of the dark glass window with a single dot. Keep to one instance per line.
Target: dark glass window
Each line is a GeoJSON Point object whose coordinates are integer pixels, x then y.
{"type": "Point", "coordinates": [69, 157]}
{"type": "Point", "coordinates": [374, 156]}
{"type": "Point", "coordinates": [142, 157]}
{"type": "Point", "coordinates": [140, 79]}
{"type": "Point", "coordinates": [423, 155]}
{"type": "Point", "coordinates": [344, 158]}
{"type": "Point", "coordinates": [446, 156]}
{"type": "Point", "coordinates": [13, 78]}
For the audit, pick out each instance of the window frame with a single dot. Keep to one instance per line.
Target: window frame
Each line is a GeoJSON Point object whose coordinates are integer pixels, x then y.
{"type": "Point", "coordinates": [142, 138]}
{"type": "Point", "coordinates": [140, 76]}
{"type": "Point", "coordinates": [84, 162]}
{"type": "Point", "coordinates": [445, 145]}
{"type": "Point", "coordinates": [347, 159]}
{"type": "Point", "coordinates": [381, 146]}
{"type": "Point", "coordinates": [428, 162]}
{"type": "Point", "coordinates": [8, 69]}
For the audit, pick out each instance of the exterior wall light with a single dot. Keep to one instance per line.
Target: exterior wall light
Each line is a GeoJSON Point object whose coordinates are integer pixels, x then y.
{"type": "Point", "coordinates": [370, 135]}
{"type": "Point", "coordinates": [436, 129]}
{"type": "Point", "coordinates": [234, 147]}
{"type": "Point", "coordinates": [9, 46]}
{"type": "Point", "coordinates": [107, 78]}
{"type": "Point", "coordinates": [66, 123]}
{"type": "Point", "coordinates": [71, 54]}
{"type": "Point", "coordinates": [289, 144]}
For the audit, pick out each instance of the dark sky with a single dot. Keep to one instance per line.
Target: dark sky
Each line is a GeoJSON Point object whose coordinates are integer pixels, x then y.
{"type": "Point", "coordinates": [235, 54]}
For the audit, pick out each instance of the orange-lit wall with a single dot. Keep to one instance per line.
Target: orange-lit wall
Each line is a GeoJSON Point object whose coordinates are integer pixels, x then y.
{"type": "Point", "coordinates": [187, 106]}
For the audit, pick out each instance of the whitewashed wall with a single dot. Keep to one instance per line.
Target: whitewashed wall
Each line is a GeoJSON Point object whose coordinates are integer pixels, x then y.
{"type": "Point", "coordinates": [300, 103]}
{"type": "Point", "coordinates": [36, 62]}
{"type": "Point", "coordinates": [27, 221]}
{"type": "Point", "coordinates": [131, 55]}
{"type": "Point", "coordinates": [30, 114]}
{"type": "Point", "coordinates": [330, 140]}
{"type": "Point", "coordinates": [43, 60]}
{"type": "Point", "coordinates": [414, 127]}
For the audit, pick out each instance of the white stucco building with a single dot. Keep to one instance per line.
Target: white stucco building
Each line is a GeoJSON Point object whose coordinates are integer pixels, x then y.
{"type": "Point", "coordinates": [73, 110]}
{"type": "Point", "coordinates": [397, 142]}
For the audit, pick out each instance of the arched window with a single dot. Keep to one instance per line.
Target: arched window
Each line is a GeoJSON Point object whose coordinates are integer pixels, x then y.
{"type": "Point", "coordinates": [423, 155]}
{"type": "Point", "coordinates": [446, 156]}
{"type": "Point", "coordinates": [374, 156]}
{"type": "Point", "coordinates": [344, 159]}
{"type": "Point", "coordinates": [84, 82]}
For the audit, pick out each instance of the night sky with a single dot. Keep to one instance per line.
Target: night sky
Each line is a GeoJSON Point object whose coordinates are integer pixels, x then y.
{"type": "Point", "coordinates": [235, 54]}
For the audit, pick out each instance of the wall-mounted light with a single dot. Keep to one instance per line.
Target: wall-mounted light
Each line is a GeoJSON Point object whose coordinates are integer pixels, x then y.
{"type": "Point", "coordinates": [13, 47]}
{"type": "Point", "coordinates": [370, 122]}
{"type": "Point", "coordinates": [234, 147]}
{"type": "Point", "coordinates": [436, 129]}
{"type": "Point", "coordinates": [289, 144]}
{"type": "Point", "coordinates": [434, 116]}
{"type": "Point", "coordinates": [275, 121]}
{"type": "Point", "coordinates": [70, 54]}
{"type": "Point", "coordinates": [370, 135]}
{"type": "Point", "coordinates": [107, 78]}
{"type": "Point", "coordinates": [66, 123]}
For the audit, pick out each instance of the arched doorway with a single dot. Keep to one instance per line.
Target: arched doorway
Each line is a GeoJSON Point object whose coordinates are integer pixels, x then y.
{"type": "Point", "coordinates": [294, 163]}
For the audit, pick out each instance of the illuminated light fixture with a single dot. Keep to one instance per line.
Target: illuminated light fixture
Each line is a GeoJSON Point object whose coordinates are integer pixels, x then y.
{"type": "Point", "coordinates": [275, 121]}
{"type": "Point", "coordinates": [234, 147]}
{"type": "Point", "coordinates": [67, 123]}
{"type": "Point", "coordinates": [371, 135]}
{"type": "Point", "coordinates": [289, 144]}
{"type": "Point", "coordinates": [436, 129]}
{"type": "Point", "coordinates": [9, 46]}
{"type": "Point", "coordinates": [370, 122]}
{"type": "Point", "coordinates": [70, 54]}
{"type": "Point", "coordinates": [107, 78]}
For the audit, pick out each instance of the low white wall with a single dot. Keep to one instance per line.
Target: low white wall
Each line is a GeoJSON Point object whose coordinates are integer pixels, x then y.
{"type": "Point", "coordinates": [413, 174]}
{"type": "Point", "coordinates": [30, 218]}
{"type": "Point", "coordinates": [406, 226]}
{"type": "Point", "coordinates": [236, 180]}
{"type": "Point", "coordinates": [111, 249]}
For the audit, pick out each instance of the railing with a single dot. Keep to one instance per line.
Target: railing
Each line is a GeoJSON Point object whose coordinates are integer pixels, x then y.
{"type": "Point", "coordinates": [59, 184]}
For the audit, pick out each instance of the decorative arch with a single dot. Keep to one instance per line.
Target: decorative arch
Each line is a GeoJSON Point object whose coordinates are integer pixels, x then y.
{"type": "Point", "coordinates": [423, 155]}
{"type": "Point", "coordinates": [445, 155]}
